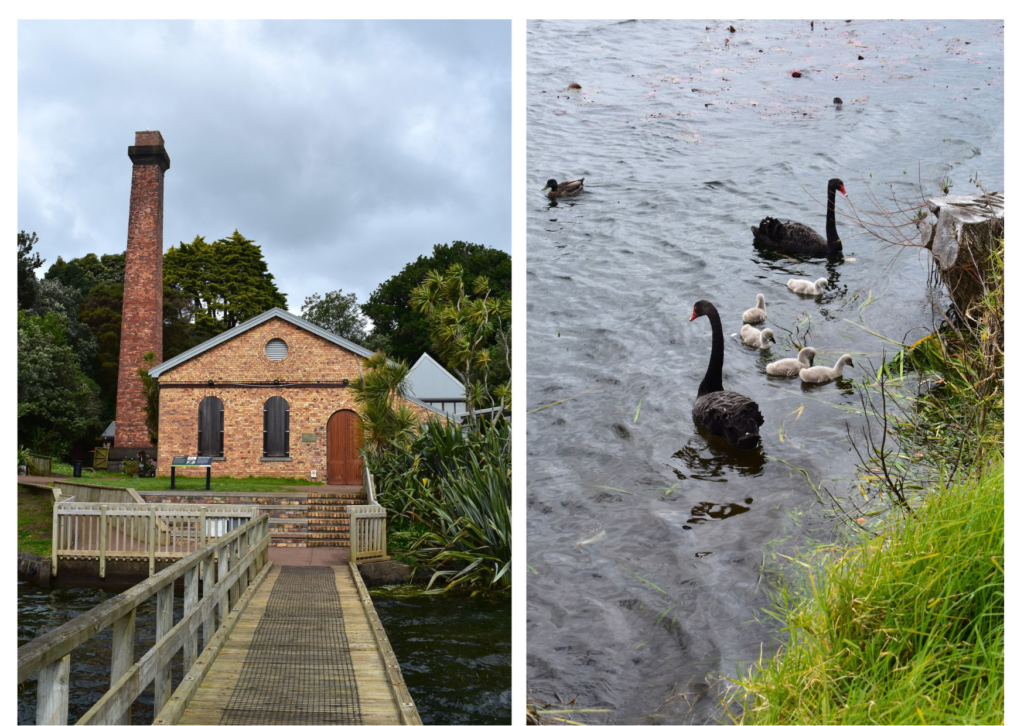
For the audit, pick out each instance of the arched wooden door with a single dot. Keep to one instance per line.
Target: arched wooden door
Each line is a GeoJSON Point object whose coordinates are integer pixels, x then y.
{"type": "Point", "coordinates": [344, 437]}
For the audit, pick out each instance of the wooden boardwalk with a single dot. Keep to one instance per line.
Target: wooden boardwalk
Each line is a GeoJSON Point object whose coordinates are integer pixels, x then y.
{"type": "Point", "coordinates": [305, 650]}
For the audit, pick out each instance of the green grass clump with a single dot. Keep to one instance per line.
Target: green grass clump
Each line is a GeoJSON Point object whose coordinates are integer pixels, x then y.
{"type": "Point", "coordinates": [903, 628]}
{"type": "Point", "coordinates": [35, 521]}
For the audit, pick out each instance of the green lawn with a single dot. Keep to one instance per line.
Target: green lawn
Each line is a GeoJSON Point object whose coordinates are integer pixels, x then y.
{"type": "Point", "coordinates": [35, 521]}
{"type": "Point", "coordinates": [219, 484]}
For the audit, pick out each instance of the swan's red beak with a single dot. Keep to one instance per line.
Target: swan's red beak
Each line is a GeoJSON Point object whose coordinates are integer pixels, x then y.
{"type": "Point", "coordinates": [843, 190]}
{"type": "Point", "coordinates": [694, 316]}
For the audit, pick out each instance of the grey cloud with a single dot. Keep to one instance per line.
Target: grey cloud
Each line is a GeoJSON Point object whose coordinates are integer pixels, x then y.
{"type": "Point", "coordinates": [344, 149]}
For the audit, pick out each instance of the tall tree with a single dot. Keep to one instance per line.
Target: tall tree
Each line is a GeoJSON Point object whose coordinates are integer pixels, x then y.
{"type": "Point", "coordinates": [84, 273]}
{"type": "Point", "coordinates": [57, 298]}
{"type": "Point", "coordinates": [101, 311]}
{"type": "Point", "coordinates": [407, 330]}
{"type": "Point", "coordinates": [28, 263]}
{"type": "Point", "coordinates": [227, 281]}
{"type": "Point", "coordinates": [57, 402]}
{"type": "Point", "coordinates": [462, 328]}
{"type": "Point", "coordinates": [338, 313]}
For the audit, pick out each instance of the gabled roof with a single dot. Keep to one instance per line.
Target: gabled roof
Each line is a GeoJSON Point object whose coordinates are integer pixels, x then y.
{"type": "Point", "coordinates": [431, 381]}
{"type": "Point", "coordinates": [251, 323]}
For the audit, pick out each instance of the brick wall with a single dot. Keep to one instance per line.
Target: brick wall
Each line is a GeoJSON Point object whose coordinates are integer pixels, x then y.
{"type": "Point", "coordinates": [243, 360]}
{"type": "Point", "coordinates": [142, 316]}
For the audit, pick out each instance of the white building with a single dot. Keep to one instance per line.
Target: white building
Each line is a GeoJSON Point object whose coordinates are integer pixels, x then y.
{"type": "Point", "coordinates": [431, 383]}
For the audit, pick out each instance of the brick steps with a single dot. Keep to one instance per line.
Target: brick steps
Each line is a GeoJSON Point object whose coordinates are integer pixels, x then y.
{"type": "Point", "coordinates": [327, 520]}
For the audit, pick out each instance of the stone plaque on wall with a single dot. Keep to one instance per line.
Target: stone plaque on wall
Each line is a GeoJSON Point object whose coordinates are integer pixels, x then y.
{"type": "Point", "coordinates": [309, 438]}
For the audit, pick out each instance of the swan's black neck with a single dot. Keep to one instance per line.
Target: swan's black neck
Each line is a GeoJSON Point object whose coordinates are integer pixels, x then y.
{"type": "Point", "coordinates": [831, 235]}
{"type": "Point", "coordinates": [713, 378]}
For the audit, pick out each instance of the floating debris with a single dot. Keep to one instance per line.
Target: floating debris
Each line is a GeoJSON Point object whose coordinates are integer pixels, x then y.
{"type": "Point", "coordinates": [575, 87]}
{"type": "Point", "coordinates": [591, 540]}
{"type": "Point", "coordinates": [795, 74]}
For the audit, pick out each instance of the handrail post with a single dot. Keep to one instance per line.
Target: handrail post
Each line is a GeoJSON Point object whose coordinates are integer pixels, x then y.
{"type": "Point", "coordinates": [56, 540]}
{"type": "Point", "coordinates": [164, 623]}
{"type": "Point", "coordinates": [52, 692]}
{"type": "Point", "coordinates": [122, 654]}
{"type": "Point", "coordinates": [152, 539]}
{"type": "Point", "coordinates": [207, 590]}
{"type": "Point", "coordinates": [191, 600]}
{"type": "Point", "coordinates": [222, 571]}
{"type": "Point", "coordinates": [353, 535]}
{"type": "Point", "coordinates": [202, 526]}
{"type": "Point", "coordinates": [103, 540]}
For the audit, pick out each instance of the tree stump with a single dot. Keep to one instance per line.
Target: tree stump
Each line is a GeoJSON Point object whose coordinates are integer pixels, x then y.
{"type": "Point", "coordinates": [966, 244]}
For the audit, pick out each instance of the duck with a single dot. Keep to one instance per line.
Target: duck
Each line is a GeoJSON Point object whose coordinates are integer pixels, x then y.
{"type": "Point", "coordinates": [728, 414]}
{"type": "Point", "coordinates": [799, 238]}
{"type": "Point", "coordinates": [755, 338]}
{"type": "Point", "coordinates": [824, 374]}
{"type": "Point", "coordinates": [792, 366]}
{"type": "Point", "coordinates": [565, 189]}
{"type": "Point", "coordinates": [804, 287]}
{"type": "Point", "coordinates": [756, 314]}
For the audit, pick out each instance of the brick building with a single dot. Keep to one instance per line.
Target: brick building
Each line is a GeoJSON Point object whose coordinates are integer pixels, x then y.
{"type": "Point", "coordinates": [269, 397]}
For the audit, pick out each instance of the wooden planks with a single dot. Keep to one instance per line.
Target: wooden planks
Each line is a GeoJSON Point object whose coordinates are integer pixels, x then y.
{"type": "Point", "coordinates": [375, 695]}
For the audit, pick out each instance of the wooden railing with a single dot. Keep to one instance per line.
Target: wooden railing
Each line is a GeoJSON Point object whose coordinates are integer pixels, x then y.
{"type": "Point", "coordinates": [139, 531]}
{"type": "Point", "coordinates": [231, 569]}
{"type": "Point", "coordinates": [42, 465]}
{"type": "Point", "coordinates": [368, 525]}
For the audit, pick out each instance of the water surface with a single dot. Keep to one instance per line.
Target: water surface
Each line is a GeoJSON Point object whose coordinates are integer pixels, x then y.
{"type": "Point", "coordinates": [645, 540]}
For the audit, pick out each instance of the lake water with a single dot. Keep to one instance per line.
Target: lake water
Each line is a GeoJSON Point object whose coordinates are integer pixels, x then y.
{"type": "Point", "coordinates": [645, 541]}
{"type": "Point", "coordinates": [455, 652]}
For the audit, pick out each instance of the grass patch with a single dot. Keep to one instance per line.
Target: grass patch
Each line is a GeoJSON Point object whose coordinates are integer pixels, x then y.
{"type": "Point", "coordinates": [902, 628]}
{"type": "Point", "coordinates": [217, 484]}
{"type": "Point", "coordinates": [35, 521]}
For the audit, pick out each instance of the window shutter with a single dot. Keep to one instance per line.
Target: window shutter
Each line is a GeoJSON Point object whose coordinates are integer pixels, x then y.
{"type": "Point", "coordinates": [275, 434]}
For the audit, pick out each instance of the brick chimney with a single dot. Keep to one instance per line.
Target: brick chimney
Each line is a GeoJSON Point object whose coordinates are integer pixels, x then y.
{"type": "Point", "coordinates": [142, 315]}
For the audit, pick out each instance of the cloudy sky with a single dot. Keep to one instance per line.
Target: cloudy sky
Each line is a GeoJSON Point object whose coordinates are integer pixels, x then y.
{"type": "Point", "coordinates": [344, 149]}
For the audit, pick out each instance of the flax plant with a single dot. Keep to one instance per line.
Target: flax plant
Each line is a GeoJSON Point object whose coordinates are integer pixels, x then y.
{"type": "Point", "coordinates": [448, 494]}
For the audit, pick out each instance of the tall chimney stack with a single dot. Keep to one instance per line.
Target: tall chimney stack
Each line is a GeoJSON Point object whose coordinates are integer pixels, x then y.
{"type": "Point", "coordinates": [142, 314]}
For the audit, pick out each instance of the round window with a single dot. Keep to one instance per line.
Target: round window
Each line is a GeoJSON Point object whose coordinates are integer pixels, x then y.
{"type": "Point", "coordinates": [277, 349]}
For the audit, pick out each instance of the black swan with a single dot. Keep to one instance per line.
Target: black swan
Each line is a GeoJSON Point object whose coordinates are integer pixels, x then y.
{"type": "Point", "coordinates": [792, 366]}
{"type": "Point", "coordinates": [799, 238]}
{"type": "Point", "coordinates": [723, 413]}
{"type": "Point", "coordinates": [565, 189]}
{"type": "Point", "coordinates": [756, 314]}
{"type": "Point", "coordinates": [824, 374]}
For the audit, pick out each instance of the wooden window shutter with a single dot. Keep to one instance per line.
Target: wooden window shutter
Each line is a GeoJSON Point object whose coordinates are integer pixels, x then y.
{"type": "Point", "coordinates": [275, 434]}
{"type": "Point", "coordinates": [211, 427]}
